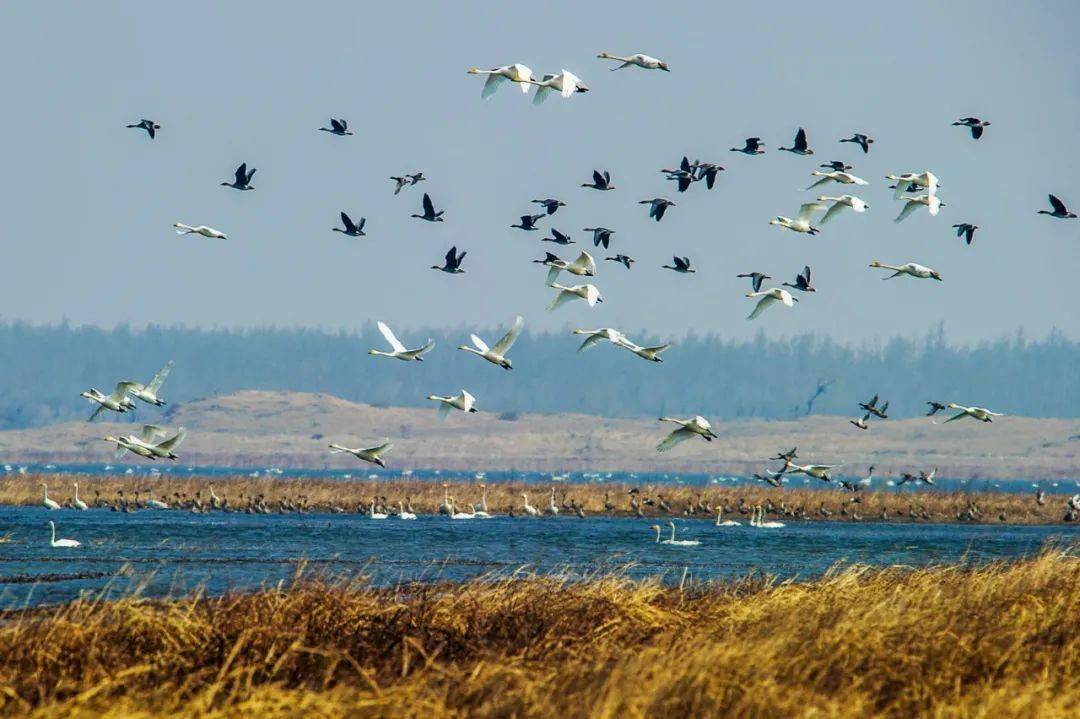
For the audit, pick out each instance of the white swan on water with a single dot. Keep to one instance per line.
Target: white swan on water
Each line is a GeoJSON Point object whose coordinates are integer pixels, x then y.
{"type": "Point", "coordinates": [61, 542]}
{"type": "Point", "coordinates": [78, 503]}
{"type": "Point", "coordinates": [672, 541]}
{"type": "Point", "coordinates": [725, 522]}
{"type": "Point", "coordinates": [373, 514]}
{"type": "Point", "coordinates": [757, 519]}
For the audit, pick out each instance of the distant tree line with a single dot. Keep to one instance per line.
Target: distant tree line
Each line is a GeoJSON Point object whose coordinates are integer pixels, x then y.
{"type": "Point", "coordinates": [45, 367]}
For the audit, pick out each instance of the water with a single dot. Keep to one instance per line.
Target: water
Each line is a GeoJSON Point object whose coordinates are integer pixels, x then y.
{"type": "Point", "coordinates": [946, 484]}
{"type": "Point", "coordinates": [177, 551]}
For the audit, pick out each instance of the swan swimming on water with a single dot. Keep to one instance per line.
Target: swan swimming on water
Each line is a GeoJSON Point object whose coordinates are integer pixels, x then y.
{"type": "Point", "coordinates": [61, 542]}
{"type": "Point", "coordinates": [725, 522]}
{"type": "Point", "coordinates": [672, 541]}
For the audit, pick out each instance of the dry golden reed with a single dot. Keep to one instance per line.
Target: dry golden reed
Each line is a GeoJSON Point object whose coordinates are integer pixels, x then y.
{"type": "Point", "coordinates": [1002, 640]}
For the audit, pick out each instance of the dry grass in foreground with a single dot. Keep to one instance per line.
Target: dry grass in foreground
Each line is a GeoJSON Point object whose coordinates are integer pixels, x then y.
{"type": "Point", "coordinates": [1001, 640]}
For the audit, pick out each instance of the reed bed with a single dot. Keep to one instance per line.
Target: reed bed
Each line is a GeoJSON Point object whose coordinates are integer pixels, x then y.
{"type": "Point", "coordinates": [321, 495]}
{"type": "Point", "coordinates": [1000, 640]}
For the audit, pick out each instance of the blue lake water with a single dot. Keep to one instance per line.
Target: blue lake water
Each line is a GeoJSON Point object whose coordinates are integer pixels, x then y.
{"type": "Point", "coordinates": [171, 552]}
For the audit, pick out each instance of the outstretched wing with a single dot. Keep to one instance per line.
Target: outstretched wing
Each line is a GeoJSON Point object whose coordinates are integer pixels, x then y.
{"type": "Point", "coordinates": [585, 263]}
{"type": "Point", "coordinates": [807, 209]}
{"type": "Point", "coordinates": [173, 442]}
{"type": "Point", "coordinates": [389, 335]}
{"type": "Point", "coordinates": [1058, 205]}
{"type": "Point", "coordinates": [93, 415]}
{"type": "Point", "coordinates": [503, 346]}
{"type": "Point", "coordinates": [832, 212]}
{"type": "Point", "coordinates": [151, 433]}
{"type": "Point", "coordinates": [763, 304]}
{"type": "Point", "coordinates": [591, 342]}
{"type": "Point", "coordinates": [908, 209]}
{"type": "Point", "coordinates": [677, 437]}
{"type": "Point", "coordinates": [429, 207]}
{"type": "Point", "coordinates": [160, 377]}
{"type": "Point", "coordinates": [121, 390]}
{"type": "Point", "coordinates": [552, 275]}
{"type": "Point", "coordinates": [561, 299]}
{"type": "Point", "coordinates": [955, 416]}
{"type": "Point", "coordinates": [491, 85]}
{"type": "Point", "coordinates": [480, 344]}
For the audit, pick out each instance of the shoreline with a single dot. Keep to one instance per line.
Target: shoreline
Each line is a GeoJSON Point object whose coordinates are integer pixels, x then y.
{"type": "Point", "coordinates": [290, 495]}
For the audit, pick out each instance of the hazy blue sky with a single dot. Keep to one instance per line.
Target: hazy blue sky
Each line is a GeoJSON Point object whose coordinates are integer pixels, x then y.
{"type": "Point", "coordinates": [88, 205]}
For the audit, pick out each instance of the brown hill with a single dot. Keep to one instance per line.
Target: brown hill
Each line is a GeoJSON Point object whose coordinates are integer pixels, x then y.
{"type": "Point", "coordinates": [289, 429]}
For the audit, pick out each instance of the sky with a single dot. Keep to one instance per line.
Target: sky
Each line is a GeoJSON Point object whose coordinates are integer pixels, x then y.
{"type": "Point", "coordinates": [89, 205]}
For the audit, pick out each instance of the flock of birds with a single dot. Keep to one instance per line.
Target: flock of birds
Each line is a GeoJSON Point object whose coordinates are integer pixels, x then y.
{"type": "Point", "coordinates": [914, 190]}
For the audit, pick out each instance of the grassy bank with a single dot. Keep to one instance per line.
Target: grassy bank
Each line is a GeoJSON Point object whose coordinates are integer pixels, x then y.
{"type": "Point", "coordinates": [927, 504]}
{"type": "Point", "coordinates": [1001, 640]}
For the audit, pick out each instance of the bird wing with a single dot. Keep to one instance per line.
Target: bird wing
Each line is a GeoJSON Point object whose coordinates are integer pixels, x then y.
{"type": "Point", "coordinates": [151, 433]}
{"type": "Point", "coordinates": [480, 344]}
{"type": "Point", "coordinates": [425, 349]}
{"type": "Point", "coordinates": [443, 410]}
{"type": "Point", "coordinates": [569, 83]}
{"type": "Point", "coordinates": [174, 441]}
{"type": "Point", "coordinates": [503, 346]}
{"type": "Point", "coordinates": [807, 209]}
{"type": "Point", "coordinates": [591, 342]}
{"type": "Point", "coordinates": [240, 175]}
{"type": "Point", "coordinates": [451, 257]}
{"type": "Point", "coordinates": [756, 281]}
{"type": "Point", "coordinates": [389, 335]}
{"type": "Point", "coordinates": [955, 416]}
{"type": "Point", "coordinates": [98, 410]}
{"type": "Point", "coordinates": [160, 377]}
{"type": "Point", "coordinates": [585, 263]}
{"type": "Point", "coordinates": [592, 295]}
{"type": "Point", "coordinates": [908, 209]}
{"type": "Point", "coordinates": [597, 178]}
{"type": "Point", "coordinates": [820, 182]}
{"type": "Point", "coordinates": [763, 304]}
{"type": "Point", "coordinates": [800, 139]}
{"type": "Point", "coordinates": [553, 274]}
{"type": "Point", "coordinates": [347, 223]}
{"type": "Point", "coordinates": [541, 94]}
{"type": "Point", "coordinates": [677, 437]}
{"type": "Point", "coordinates": [376, 451]}
{"type": "Point", "coordinates": [429, 207]}
{"type": "Point", "coordinates": [1058, 205]}
{"type": "Point", "coordinates": [832, 212]}
{"type": "Point", "coordinates": [121, 390]}
{"type": "Point", "coordinates": [561, 299]}
{"type": "Point", "coordinates": [492, 84]}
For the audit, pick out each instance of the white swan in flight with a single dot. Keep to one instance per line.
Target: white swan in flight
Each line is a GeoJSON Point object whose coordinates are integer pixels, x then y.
{"type": "Point", "coordinates": [980, 413]}
{"type": "Point", "coordinates": [182, 229]}
{"type": "Point", "coordinates": [54, 542]}
{"type": "Point", "coordinates": [118, 401]}
{"type": "Point", "coordinates": [904, 181]}
{"type": "Point", "coordinates": [912, 203]}
{"type": "Point", "coordinates": [149, 392]}
{"type": "Point", "coordinates": [497, 354]}
{"type": "Point", "coordinates": [602, 334]}
{"type": "Point", "coordinates": [566, 83]}
{"type": "Point", "coordinates": [368, 454]}
{"type": "Point", "coordinates": [154, 442]}
{"type": "Point", "coordinates": [909, 268]}
{"type": "Point", "coordinates": [839, 203]}
{"type": "Point", "coordinates": [695, 426]}
{"type": "Point", "coordinates": [583, 266]}
{"type": "Point", "coordinates": [769, 298]}
{"type": "Point", "coordinates": [802, 222]}
{"type": "Point", "coordinates": [462, 401]}
{"type": "Point", "coordinates": [649, 353]}
{"type": "Point", "coordinates": [496, 76]}
{"type": "Point", "coordinates": [843, 178]}
{"type": "Point", "coordinates": [589, 293]}
{"type": "Point", "coordinates": [817, 471]}
{"type": "Point", "coordinates": [398, 350]}
{"type": "Point", "coordinates": [645, 61]}
{"type": "Point", "coordinates": [672, 541]}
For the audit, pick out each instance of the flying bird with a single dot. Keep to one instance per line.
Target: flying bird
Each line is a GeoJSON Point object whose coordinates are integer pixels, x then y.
{"type": "Point", "coordinates": [182, 229]}
{"type": "Point", "coordinates": [799, 147]}
{"type": "Point", "coordinates": [802, 222]}
{"type": "Point", "coordinates": [836, 165]}
{"type": "Point", "coordinates": [756, 278]}
{"type": "Point", "coordinates": [910, 268]}
{"type": "Point", "coordinates": [841, 177]}
{"type": "Point", "coordinates": [337, 127]}
{"type": "Point", "coordinates": [752, 147]}
{"type": "Point", "coordinates": [682, 265]}
{"type": "Point", "coordinates": [802, 281]}
{"type": "Point", "coordinates": [649, 63]}
{"type": "Point", "coordinates": [586, 292]}
{"type": "Point", "coordinates": [352, 229]}
{"type": "Point", "coordinates": [550, 205]}
{"type": "Point", "coordinates": [462, 401]}
{"type": "Point", "coordinates": [913, 202]}
{"type": "Point", "coordinates": [600, 181]}
{"type": "Point", "coordinates": [118, 401]}
{"type": "Point", "coordinates": [565, 83]}
{"type": "Point", "coordinates": [558, 238]}
{"type": "Point", "coordinates": [528, 222]}
{"type": "Point", "coordinates": [497, 76]}
{"type": "Point", "coordinates": [966, 230]}
{"type": "Point", "coordinates": [873, 408]}
{"type": "Point", "coordinates": [601, 236]}
{"type": "Point", "coordinates": [497, 354]}
{"type": "Point", "coordinates": [657, 207]}
{"type": "Point", "coordinates": [241, 179]}
{"type": "Point", "coordinates": [368, 454]}
{"type": "Point", "coordinates": [861, 422]}
{"type": "Point", "coordinates": [398, 350]}
{"type": "Point", "coordinates": [583, 266]}
{"type": "Point", "coordinates": [623, 260]}
{"type": "Point", "coordinates": [980, 413]}
{"type": "Point", "coordinates": [452, 263]}
{"type": "Point", "coordinates": [839, 203]}
{"type": "Point", "coordinates": [604, 334]}
{"type": "Point", "coordinates": [406, 180]}
{"type": "Point", "coordinates": [695, 426]}
{"type": "Point", "coordinates": [1059, 210]}
{"type": "Point", "coordinates": [769, 298]}
{"type": "Point", "coordinates": [974, 124]}
{"type": "Point", "coordinates": [150, 126]}
{"type": "Point", "coordinates": [935, 407]}
{"type": "Point", "coordinates": [905, 180]}
{"type": "Point", "coordinates": [429, 211]}
{"type": "Point", "coordinates": [149, 392]}
{"type": "Point", "coordinates": [861, 140]}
